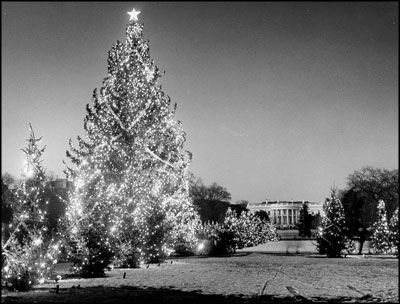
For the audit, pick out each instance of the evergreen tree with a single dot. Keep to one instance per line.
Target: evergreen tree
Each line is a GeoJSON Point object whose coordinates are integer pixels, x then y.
{"type": "Point", "coordinates": [131, 190]}
{"type": "Point", "coordinates": [332, 235]}
{"type": "Point", "coordinates": [305, 219]}
{"type": "Point", "coordinates": [394, 227]}
{"type": "Point", "coordinates": [372, 185]}
{"type": "Point", "coordinates": [262, 214]}
{"type": "Point", "coordinates": [30, 252]}
{"type": "Point", "coordinates": [7, 201]}
{"type": "Point", "coordinates": [211, 202]}
{"type": "Point", "coordinates": [381, 238]}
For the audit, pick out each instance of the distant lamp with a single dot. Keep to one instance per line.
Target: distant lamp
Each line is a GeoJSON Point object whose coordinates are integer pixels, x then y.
{"type": "Point", "coordinates": [200, 247]}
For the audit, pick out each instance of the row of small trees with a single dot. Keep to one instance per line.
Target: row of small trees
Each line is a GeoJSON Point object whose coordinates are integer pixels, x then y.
{"type": "Point", "coordinates": [333, 237]}
{"type": "Point", "coordinates": [370, 210]}
{"type": "Point", "coordinates": [238, 231]}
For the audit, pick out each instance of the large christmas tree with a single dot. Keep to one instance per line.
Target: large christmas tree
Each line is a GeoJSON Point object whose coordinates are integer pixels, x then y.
{"type": "Point", "coordinates": [131, 191]}
{"type": "Point", "coordinates": [30, 251]}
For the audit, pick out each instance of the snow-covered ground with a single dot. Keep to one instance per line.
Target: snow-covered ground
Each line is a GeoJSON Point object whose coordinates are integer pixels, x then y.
{"type": "Point", "coordinates": [284, 246]}
{"type": "Point", "coordinates": [251, 274]}
{"type": "Point", "coordinates": [295, 246]}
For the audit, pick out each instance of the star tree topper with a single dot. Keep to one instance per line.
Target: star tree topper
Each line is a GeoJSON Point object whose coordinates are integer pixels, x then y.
{"type": "Point", "coordinates": [133, 15]}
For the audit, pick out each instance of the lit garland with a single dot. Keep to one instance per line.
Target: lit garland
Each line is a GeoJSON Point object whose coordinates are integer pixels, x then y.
{"type": "Point", "coordinates": [30, 252]}
{"type": "Point", "coordinates": [131, 174]}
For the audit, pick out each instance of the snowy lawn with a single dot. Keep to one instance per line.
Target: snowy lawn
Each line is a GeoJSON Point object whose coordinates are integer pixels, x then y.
{"type": "Point", "coordinates": [241, 278]}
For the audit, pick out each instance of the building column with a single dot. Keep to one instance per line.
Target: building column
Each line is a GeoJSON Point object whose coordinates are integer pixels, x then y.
{"type": "Point", "coordinates": [293, 216]}
{"type": "Point", "coordinates": [279, 217]}
{"type": "Point", "coordinates": [287, 217]}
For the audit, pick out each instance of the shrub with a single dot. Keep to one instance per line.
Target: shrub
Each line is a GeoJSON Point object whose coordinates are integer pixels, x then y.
{"type": "Point", "coordinates": [89, 254]}
{"type": "Point", "coordinates": [238, 231]}
{"type": "Point", "coordinates": [26, 262]}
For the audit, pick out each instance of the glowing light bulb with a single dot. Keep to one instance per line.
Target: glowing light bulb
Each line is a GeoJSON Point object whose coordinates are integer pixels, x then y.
{"type": "Point", "coordinates": [200, 246]}
{"type": "Point", "coordinates": [37, 242]}
{"type": "Point", "coordinates": [28, 170]}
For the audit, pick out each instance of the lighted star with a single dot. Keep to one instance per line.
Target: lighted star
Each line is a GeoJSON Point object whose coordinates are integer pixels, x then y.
{"type": "Point", "coordinates": [134, 14]}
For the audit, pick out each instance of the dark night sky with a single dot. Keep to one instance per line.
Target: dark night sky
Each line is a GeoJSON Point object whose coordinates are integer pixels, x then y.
{"type": "Point", "coordinates": [279, 100]}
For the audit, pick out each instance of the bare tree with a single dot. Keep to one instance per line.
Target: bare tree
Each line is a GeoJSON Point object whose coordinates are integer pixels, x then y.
{"type": "Point", "coordinates": [214, 192]}
{"type": "Point", "coordinates": [377, 184]}
{"type": "Point", "coordinates": [212, 202]}
{"type": "Point", "coordinates": [365, 188]}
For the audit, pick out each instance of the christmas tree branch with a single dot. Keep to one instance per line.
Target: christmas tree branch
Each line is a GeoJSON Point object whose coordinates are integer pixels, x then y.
{"type": "Point", "coordinates": [116, 117]}
{"type": "Point", "coordinates": [159, 158]}
{"type": "Point", "coordinates": [126, 130]}
{"type": "Point", "coordinates": [12, 235]}
{"type": "Point", "coordinates": [87, 214]}
{"type": "Point", "coordinates": [141, 114]}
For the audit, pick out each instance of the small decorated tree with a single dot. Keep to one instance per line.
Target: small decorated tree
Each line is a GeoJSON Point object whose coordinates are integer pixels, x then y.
{"type": "Point", "coordinates": [30, 252]}
{"type": "Point", "coordinates": [394, 227]}
{"type": "Point", "coordinates": [381, 238]}
{"type": "Point", "coordinates": [332, 237]}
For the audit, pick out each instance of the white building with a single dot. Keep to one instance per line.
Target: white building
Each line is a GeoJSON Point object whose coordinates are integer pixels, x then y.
{"type": "Point", "coordinates": [62, 183]}
{"type": "Point", "coordinates": [285, 214]}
